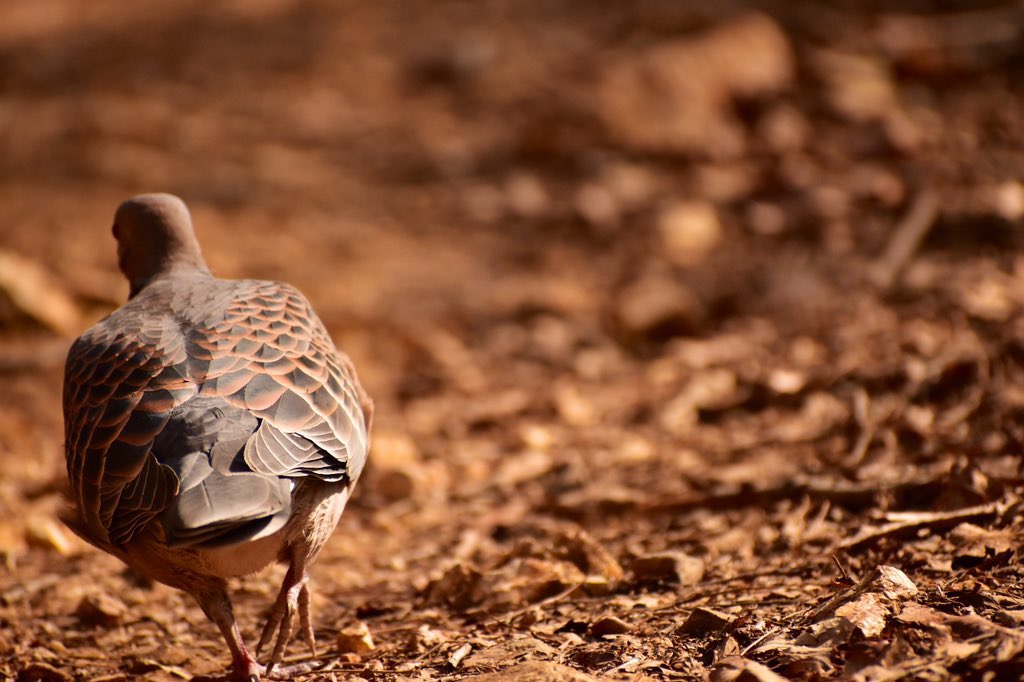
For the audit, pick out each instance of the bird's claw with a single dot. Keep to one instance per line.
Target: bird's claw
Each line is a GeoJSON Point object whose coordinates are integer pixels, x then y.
{"type": "Point", "coordinates": [290, 599]}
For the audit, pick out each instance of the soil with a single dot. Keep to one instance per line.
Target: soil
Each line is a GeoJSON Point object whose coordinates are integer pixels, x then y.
{"type": "Point", "coordinates": [696, 330]}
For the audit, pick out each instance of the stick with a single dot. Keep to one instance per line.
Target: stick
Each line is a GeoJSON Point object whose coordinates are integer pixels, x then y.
{"type": "Point", "coordinates": [906, 239]}
{"type": "Point", "coordinates": [908, 521]}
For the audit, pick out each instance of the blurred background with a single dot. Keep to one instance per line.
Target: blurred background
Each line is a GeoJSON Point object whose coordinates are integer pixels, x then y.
{"type": "Point", "coordinates": [651, 295]}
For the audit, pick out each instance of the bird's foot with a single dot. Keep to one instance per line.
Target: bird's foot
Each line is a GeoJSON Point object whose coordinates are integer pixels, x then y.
{"type": "Point", "coordinates": [294, 596]}
{"type": "Point", "coordinates": [244, 668]}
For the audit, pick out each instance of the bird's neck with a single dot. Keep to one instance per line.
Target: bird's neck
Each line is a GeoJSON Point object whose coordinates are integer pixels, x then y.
{"type": "Point", "coordinates": [171, 269]}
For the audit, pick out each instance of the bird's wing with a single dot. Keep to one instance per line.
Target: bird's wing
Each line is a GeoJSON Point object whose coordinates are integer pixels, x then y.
{"type": "Point", "coordinates": [121, 381]}
{"type": "Point", "coordinates": [270, 354]}
{"type": "Point", "coordinates": [259, 348]}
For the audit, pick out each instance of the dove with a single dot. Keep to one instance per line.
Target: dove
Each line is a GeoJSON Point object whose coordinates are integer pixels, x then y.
{"type": "Point", "coordinates": [212, 428]}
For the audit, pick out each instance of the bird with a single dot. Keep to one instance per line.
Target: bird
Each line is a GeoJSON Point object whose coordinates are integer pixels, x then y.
{"type": "Point", "coordinates": [212, 428]}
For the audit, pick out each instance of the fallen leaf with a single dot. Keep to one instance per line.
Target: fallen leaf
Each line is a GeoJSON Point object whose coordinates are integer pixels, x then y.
{"type": "Point", "coordinates": [37, 294]}
{"type": "Point", "coordinates": [673, 568]}
{"type": "Point", "coordinates": [355, 640]}
{"type": "Point", "coordinates": [704, 620]}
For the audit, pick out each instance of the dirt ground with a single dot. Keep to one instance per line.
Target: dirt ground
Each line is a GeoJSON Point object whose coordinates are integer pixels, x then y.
{"type": "Point", "coordinates": [696, 330]}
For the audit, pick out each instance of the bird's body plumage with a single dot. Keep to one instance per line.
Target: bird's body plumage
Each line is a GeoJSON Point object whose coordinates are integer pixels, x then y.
{"type": "Point", "coordinates": [211, 425]}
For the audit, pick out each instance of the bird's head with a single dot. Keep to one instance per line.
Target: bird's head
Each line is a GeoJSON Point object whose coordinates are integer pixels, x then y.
{"type": "Point", "coordinates": [154, 237]}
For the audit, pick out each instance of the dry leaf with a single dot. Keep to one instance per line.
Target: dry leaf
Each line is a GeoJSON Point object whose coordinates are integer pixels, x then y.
{"type": "Point", "coordinates": [355, 640]}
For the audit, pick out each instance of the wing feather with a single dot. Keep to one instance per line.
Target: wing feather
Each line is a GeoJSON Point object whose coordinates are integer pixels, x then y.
{"type": "Point", "coordinates": [256, 346]}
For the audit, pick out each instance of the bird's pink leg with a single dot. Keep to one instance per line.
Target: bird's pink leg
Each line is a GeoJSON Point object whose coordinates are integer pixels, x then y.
{"type": "Point", "coordinates": [217, 607]}
{"type": "Point", "coordinates": [293, 597]}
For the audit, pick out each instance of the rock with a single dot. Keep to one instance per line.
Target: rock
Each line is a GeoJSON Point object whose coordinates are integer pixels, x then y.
{"type": "Point", "coordinates": [672, 568]}
{"type": "Point", "coordinates": [703, 620]}
{"type": "Point", "coordinates": [688, 231]}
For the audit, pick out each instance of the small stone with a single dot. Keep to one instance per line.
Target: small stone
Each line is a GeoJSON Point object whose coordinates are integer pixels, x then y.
{"type": "Point", "coordinates": [702, 621]}
{"type": "Point", "coordinates": [689, 231]}
{"type": "Point", "coordinates": [786, 381]}
{"type": "Point", "coordinates": [1009, 200]}
{"type": "Point", "coordinates": [673, 568]}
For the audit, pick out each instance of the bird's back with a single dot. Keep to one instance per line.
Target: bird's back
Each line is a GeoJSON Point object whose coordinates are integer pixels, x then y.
{"type": "Point", "coordinates": [203, 403]}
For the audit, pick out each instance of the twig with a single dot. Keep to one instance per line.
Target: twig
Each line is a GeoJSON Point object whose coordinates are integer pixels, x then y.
{"type": "Point", "coordinates": [738, 497]}
{"type": "Point", "coordinates": [757, 642]}
{"type": "Point", "coordinates": [507, 618]}
{"type": "Point", "coordinates": [842, 571]}
{"type": "Point", "coordinates": [906, 239]}
{"type": "Point", "coordinates": [909, 521]}
{"type": "Point", "coordinates": [862, 414]}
